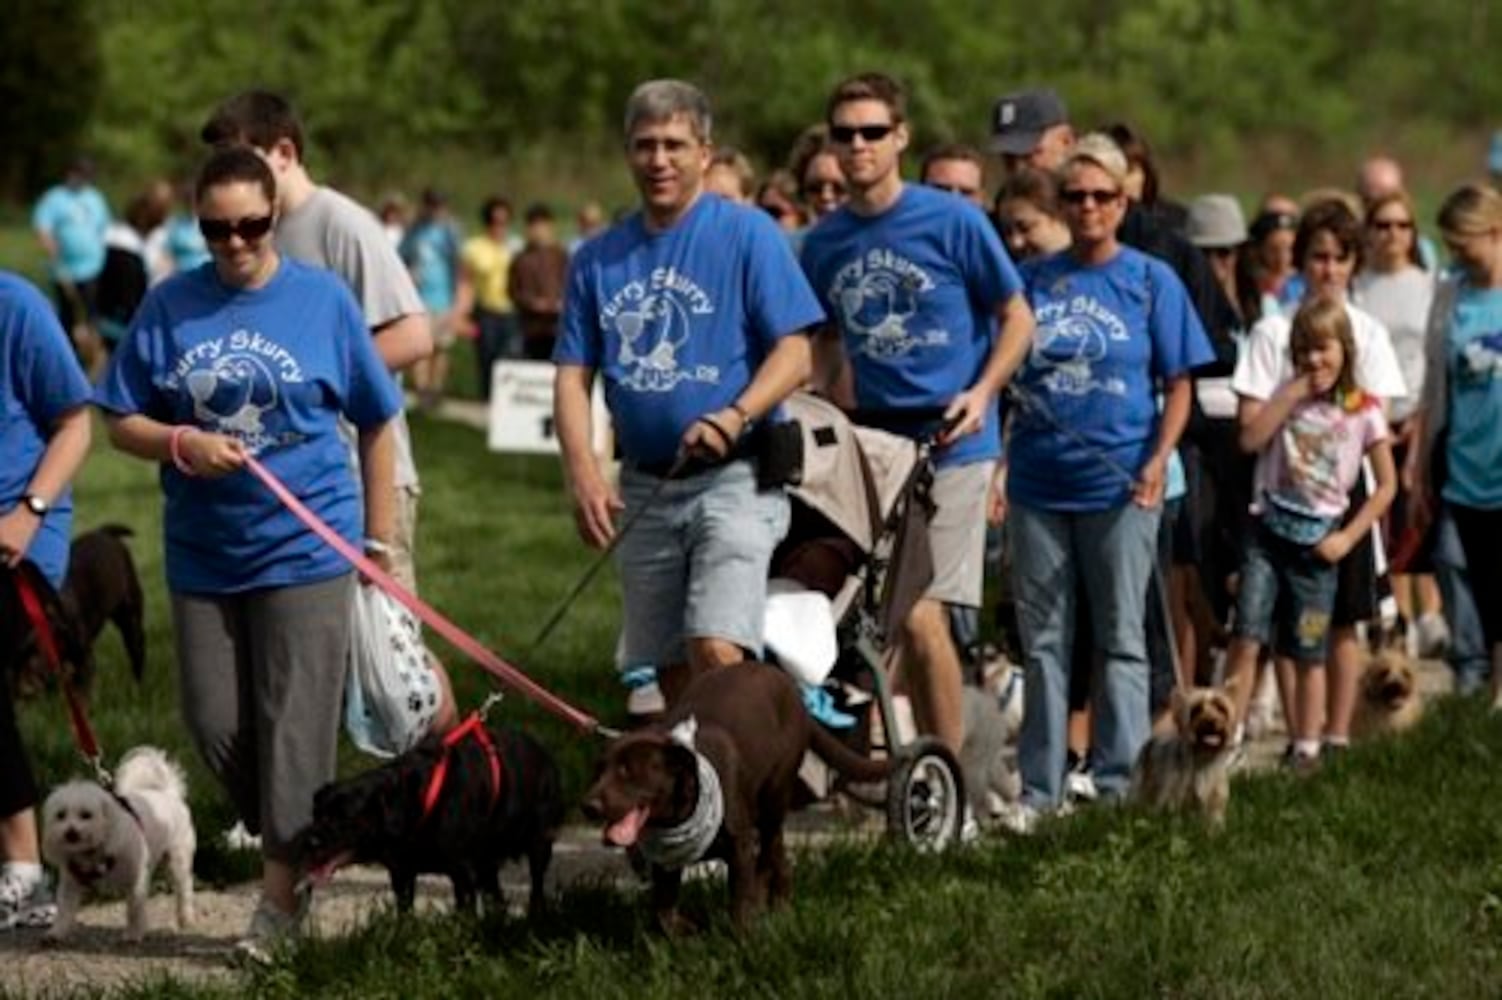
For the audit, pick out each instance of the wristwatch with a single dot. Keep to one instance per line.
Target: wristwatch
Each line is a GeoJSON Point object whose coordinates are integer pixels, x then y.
{"type": "Point", "coordinates": [36, 504]}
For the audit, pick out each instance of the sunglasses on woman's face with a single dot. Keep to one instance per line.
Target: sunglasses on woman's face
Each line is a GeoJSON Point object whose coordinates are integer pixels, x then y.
{"type": "Point", "coordinates": [814, 188]}
{"type": "Point", "coordinates": [248, 229]}
{"type": "Point", "coordinates": [1387, 225]}
{"type": "Point", "coordinates": [1078, 196]}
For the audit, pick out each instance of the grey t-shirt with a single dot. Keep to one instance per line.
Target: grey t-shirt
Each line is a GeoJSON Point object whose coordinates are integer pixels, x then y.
{"type": "Point", "coordinates": [334, 231]}
{"type": "Point", "coordinates": [1401, 301]}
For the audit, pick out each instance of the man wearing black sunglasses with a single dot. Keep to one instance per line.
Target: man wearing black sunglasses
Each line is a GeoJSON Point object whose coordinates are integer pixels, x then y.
{"type": "Point", "coordinates": [929, 313]}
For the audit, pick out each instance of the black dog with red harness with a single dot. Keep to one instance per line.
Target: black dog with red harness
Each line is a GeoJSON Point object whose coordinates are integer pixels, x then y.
{"type": "Point", "coordinates": [458, 805]}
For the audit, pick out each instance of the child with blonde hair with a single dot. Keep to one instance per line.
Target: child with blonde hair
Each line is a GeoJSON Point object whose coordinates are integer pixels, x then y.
{"type": "Point", "coordinates": [1310, 438]}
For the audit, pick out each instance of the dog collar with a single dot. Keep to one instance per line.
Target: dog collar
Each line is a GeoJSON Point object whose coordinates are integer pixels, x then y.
{"type": "Point", "coordinates": [473, 726]}
{"type": "Point", "coordinates": [676, 847]}
{"type": "Point", "coordinates": [89, 874]}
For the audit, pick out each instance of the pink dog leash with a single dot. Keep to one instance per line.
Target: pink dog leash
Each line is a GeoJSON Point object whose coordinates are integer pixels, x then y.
{"type": "Point", "coordinates": [463, 641]}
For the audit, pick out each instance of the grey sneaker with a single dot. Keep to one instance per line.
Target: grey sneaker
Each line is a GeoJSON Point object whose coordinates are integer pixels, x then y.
{"type": "Point", "coordinates": [271, 929]}
{"type": "Point", "coordinates": [25, 900]}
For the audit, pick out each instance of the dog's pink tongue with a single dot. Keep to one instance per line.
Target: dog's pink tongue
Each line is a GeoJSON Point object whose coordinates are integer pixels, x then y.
{"type": "Point", "coordinates": [624, 831]}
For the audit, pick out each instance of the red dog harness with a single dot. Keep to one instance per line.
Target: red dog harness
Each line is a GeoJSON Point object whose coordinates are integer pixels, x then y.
{"type": "Point", "coordinates": [472, 726]}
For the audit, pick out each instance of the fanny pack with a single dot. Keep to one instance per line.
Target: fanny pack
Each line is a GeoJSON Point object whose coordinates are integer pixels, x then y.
{"type": "Point", "coordinates": [1293, 523]}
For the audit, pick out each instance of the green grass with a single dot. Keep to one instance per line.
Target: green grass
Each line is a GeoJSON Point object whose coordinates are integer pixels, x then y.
{"type": "Point", "coordinates": [1377, 878]}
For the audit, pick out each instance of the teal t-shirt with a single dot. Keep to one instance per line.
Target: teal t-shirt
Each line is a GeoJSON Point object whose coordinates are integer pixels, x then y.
{"type": "Point", "coordinates": [1473, 448]}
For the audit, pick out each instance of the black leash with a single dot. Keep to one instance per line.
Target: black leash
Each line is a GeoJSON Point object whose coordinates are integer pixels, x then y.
{"type": "Point", "coordinates": [1034, 404]}
{"type": "Point", "coordinates": [680, 463]}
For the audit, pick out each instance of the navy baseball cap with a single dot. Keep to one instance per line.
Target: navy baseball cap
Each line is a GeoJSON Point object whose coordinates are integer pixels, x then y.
{"type": "Point", "coordinates": [1019, 120]}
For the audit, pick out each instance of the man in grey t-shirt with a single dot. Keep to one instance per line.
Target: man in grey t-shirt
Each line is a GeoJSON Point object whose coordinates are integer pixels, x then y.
{"type": "Point", "coordinates": [319, 225]}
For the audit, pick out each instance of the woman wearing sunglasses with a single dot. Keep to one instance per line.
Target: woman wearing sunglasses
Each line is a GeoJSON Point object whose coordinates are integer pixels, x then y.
{"type": "Point", "coordinates": [253, 354]}
{"type": "Point", "coordinates": [1088, 455]}
{"type": "Point", "coordinates": [1394, 287]}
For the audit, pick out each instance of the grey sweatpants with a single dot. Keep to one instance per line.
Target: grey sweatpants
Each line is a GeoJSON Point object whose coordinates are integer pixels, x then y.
{"type": "Point", "coordinates": [262, 678]}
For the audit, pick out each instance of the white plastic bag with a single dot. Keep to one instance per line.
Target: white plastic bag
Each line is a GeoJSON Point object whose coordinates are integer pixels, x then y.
{"type": "Point", "coordinates": [800, 629]}
{"type": "Point", "coordinates": [391, 694]}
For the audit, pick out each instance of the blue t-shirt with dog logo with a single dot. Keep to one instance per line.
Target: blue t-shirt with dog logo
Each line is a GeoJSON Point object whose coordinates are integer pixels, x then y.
{"type": "Point", "coordinates": [1473, 444]}
{"type": "Point", "coordinates": [40, 381]}
{"type": "Point", "coordinates": [915, 292]}
{"type": "Point", "coordinates": [274, 367]}
{"type": "Point", "coordinates": [1086, 418]}
{"type": "Point", "coordinates": [677, 322]}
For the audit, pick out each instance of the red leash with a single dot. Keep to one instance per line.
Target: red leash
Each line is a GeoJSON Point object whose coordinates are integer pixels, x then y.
{"type": "Point", "coordinates": [83, 733]}
{"type": "Point", "coordinates": [499, 668]}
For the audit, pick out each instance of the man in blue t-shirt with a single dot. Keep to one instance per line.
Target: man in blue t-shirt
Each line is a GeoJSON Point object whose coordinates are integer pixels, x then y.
{"type": "Point", "coordinates": [430, 249]}
{"type": "Point", "coordinates": [932, 320]}
{"type": "Point", "coordinates": [693, 311]}
{"type": "Point", "coordinates": [70, 220]}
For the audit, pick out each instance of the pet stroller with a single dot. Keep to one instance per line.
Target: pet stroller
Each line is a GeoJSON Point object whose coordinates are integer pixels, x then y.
{"type": "Point", "coordinates": [855, 561]}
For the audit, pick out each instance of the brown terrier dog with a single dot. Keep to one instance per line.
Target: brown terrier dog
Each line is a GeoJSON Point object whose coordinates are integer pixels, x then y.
{"type": "Point", "coordinates": [1389, 701]}
{"type": "Point", "coordinates": [1188, 768]}
{"type": "Point", "coordinates": [714, 778]}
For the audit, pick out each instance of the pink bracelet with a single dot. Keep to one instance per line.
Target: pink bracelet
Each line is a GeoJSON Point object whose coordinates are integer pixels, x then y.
{"type": "Point", "coordinates": [175, 447]}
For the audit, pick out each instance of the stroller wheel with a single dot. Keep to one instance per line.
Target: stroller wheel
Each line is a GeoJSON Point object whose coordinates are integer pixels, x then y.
{"type": "Point", "coordinates": [926, 796]}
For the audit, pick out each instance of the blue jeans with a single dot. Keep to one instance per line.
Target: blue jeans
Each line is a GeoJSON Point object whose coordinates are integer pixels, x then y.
{"type": "Point", "coordinates": [1287, 592]}
{"type": "Point", "coordinates": [1113, 552]}
{"type": "Point", "coordinates": [1468, 654]}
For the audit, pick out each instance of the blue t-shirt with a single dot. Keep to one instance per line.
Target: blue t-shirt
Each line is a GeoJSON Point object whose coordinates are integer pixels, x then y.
{"type": "Point", "coordinates": [185, 243]}
{"type": "Point", "coordinates": [678, 321]}
{"type": "Point", "coordinates": [1473, 446]}
{"type": "Point", "coordinates": [1106, 335]}
{"type": "Point", "coordinates": [40, 381]}
{"type": "Point", "coordinates": [431, 252]}
{"type": "Point", "coordinates": [915, 292]}
{"type": "Point", "coordinates": [275, 367]}
{"type": "Point", "coordinates": [76, 219]}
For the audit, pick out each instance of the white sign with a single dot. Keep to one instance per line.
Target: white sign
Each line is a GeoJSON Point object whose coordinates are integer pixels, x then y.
{"type": "Point", "coordinates": [521, 409]}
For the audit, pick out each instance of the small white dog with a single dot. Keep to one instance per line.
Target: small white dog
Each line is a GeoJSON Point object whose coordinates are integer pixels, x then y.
{"type": "Point", "coordinates": [109, 843]}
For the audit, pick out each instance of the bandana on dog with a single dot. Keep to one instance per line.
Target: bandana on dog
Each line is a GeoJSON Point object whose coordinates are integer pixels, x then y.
{"type": "Point", "coordinates": [679, 846]}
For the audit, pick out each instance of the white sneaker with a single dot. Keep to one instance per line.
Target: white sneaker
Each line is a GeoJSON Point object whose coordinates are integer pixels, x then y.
{"type": "Point", "coordinates": [25, 899]}
{"type": "Point", "coordinates": [1079, 786]}
{"type": "Point", "coordinates": [238, 838]}
{"type": "Point", "coordinates": [645, 700]}
{"type": "Point", "coordinates": [969, 827]}
{"type": "Point", "coordinates": [1019, 818]}
{"type": "Point", "coordinates": [271, 929]}
{"type": "Point", "coordinates": [1434, 636]}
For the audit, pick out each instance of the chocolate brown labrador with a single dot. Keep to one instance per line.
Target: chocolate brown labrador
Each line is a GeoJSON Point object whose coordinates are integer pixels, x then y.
{"type": "Point", "coordinates": [747, 725]}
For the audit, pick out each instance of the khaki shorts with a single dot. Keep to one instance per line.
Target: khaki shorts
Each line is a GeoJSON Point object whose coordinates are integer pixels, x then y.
{"type": "Point", "coordinates": [404, 543]}
{"type": "Point", "coordinates": [957, 533]}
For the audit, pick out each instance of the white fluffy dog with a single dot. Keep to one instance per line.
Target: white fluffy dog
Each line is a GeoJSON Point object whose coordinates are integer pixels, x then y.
{"type": "Point", "coordinates": [109, 843]}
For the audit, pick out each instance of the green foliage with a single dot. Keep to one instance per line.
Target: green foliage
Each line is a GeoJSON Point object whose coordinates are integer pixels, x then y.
{"type": "Point", "coordinates": [397, 90]}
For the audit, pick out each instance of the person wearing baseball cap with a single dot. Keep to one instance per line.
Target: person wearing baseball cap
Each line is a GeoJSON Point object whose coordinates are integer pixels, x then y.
{"type": "Point", "coordinates": [1030, 128]}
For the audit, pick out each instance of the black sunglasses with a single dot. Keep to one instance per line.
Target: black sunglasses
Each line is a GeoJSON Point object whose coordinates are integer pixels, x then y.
{"type": "Point", "coordinates": [845, 134]}
{"type": "Point", "coordinates": [248, 229]}
{"type": "Point", "coordinates": [819, 187]}
{"type": "Point", "coordinates": [1383, 225]}
{"type": "Point", "coordinates": [1078, 196]}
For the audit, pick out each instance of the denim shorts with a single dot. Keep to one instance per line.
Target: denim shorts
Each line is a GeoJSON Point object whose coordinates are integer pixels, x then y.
{"type": "Point", "coordinates": [695, 563]}
{"type": "Point", "coordinates": [1288, 592]}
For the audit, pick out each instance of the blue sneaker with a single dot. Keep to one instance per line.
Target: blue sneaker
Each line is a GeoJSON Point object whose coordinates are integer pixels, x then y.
{"type": "Point", "coordinates": [820, 705]}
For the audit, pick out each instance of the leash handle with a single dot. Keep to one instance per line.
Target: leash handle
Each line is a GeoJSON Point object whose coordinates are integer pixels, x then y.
{"type": "Point", "coordinates": [83, 733]}
{"type": "Point", "coordinates": [462, 640]}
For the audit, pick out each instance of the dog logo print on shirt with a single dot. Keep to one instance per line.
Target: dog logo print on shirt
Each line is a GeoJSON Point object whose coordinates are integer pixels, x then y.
{"type": "Point", "coordinates": [1073, 337]}
{"type": "Point", "coordinates": [1481, 359]}
{"type": "Point", "coordinates": [877, 297]}
{"type": "Point", "coordinates": [235, 383]}
{"type": "Point", "coordinates": [654, 321]}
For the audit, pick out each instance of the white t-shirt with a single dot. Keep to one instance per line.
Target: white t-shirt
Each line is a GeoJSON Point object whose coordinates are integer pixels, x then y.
{"type": "Point", "coordinates": [1400, 302]}
{"type": "Point", "coordinates": [1265, 361]}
